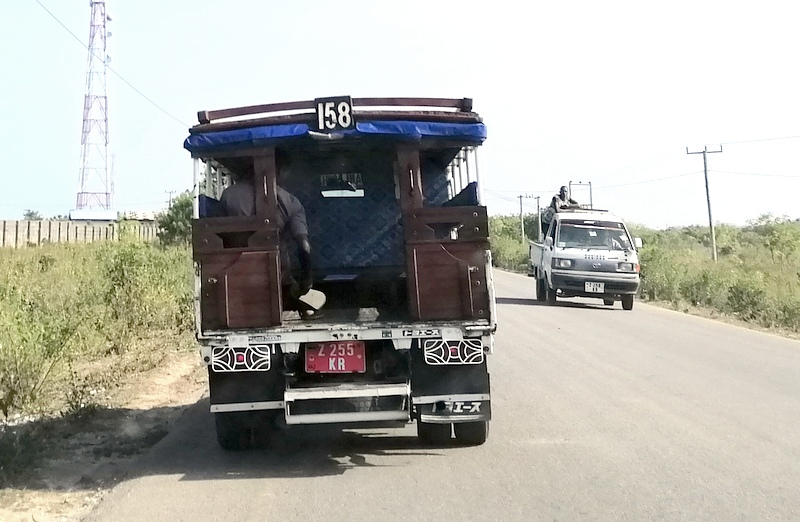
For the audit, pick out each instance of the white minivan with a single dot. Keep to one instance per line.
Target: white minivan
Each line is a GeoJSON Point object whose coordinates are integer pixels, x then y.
{"type": "Point", "coordinates": [586, 253]}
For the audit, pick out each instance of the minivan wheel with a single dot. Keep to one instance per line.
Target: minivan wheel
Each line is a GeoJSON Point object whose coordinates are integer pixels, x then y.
{"type": "Point", "coordinates": [627, 302]}
{"type": "Point", "coordinates": [540, 290]}
{"type": "Point", "coordinates": [550, 293]}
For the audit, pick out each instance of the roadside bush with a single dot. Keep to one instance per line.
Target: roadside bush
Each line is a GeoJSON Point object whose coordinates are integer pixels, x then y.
{"type": "Point", "coordinates": [705, 287]}
{"type": "Point", "coordinates": [61, 303]}
{"type": "Point", "coordinates": [757, 277]}
{"type": "Point", "coordinates": [790, 313]}
{"type": "Point", "coordinates": [660, 274]}
{"type": "Point", "coordinates": [41, 313]}
{"type": "Point", "coordinates": [175, 224]}
{"type": "Point", "coordinates": [747, 297]}
{"type": "Point", "coordinates": [509, 254]}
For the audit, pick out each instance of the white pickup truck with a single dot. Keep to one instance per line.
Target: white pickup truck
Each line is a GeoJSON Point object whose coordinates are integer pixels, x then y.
{"type": "Point", "coordinates": [586, 253]}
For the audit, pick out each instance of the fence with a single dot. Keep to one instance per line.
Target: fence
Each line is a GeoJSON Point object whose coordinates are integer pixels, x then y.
{"type": "Point", "coordinates": [18, 234]}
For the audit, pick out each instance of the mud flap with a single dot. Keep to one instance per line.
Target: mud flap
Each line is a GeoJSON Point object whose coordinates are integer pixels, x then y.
{"type": "Point", "coordinates": [449, 393]}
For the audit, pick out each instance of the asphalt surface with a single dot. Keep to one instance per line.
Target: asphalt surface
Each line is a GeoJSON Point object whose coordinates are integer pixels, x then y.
{"type": "Point", "coordinates": [599, 414]}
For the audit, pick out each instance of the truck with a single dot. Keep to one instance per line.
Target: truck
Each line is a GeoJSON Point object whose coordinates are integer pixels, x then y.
{"type": "Point", "coordinates": [586, 253]}
{"type": "Point", "coordinates": [392, 193]}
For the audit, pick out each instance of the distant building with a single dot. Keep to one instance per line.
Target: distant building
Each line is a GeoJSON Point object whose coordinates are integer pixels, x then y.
{"type": "Point", "coordinates": [139, 215]}
{"type": "Point", "coordinates": [93, 215]}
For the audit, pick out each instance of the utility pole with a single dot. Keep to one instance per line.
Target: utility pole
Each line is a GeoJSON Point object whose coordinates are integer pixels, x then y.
{"type": "Point", "coordinates": [170, 192]}
{"type": "Point", "coordinates": [708, 196]}
{"type": "Point", "coordinates": [521, 217]}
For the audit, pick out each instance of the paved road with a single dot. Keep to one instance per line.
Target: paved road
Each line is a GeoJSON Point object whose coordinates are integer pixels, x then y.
{"type": "Point", "coordinates": [599, 414]}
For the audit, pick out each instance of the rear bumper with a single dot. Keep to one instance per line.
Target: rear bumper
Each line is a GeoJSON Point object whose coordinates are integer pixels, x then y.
{"type": "Point", "coordinates": [574, 283]}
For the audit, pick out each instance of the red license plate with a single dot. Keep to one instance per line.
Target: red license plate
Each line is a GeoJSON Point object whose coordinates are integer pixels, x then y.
{"type": "Point", "coordinates": [336, 357]}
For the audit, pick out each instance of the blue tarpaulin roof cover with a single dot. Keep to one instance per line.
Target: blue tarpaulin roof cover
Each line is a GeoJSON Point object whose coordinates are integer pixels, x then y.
{"type": "Point", "coordinates": [469, 133]}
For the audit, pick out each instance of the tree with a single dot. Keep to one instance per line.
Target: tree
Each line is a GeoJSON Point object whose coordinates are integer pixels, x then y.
{"type": "Point", "coordinates": [31, 215]}
{"type": "Point", "coordinates": [175, 224]}
{"type": "Point", "coordinates": [779, 234]}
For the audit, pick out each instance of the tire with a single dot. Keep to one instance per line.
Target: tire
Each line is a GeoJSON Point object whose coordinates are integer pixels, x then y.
{"type": "Point", "coordinates": [627, 302]}
{"type": "Point", "coordinates": [540, 291]}
{"type": "Point", "coordinates": [231, 434]}
{"type": "Point", "coordinates": [550, 293]}
{"type": "Point", "coordinates": [433, 434]}
{"type": "Point", "coordinates": [265, 428]}
{"type": "Point", "coordinates": [471, 433]}
{"type": "Point", "coordinates": [608, 302]}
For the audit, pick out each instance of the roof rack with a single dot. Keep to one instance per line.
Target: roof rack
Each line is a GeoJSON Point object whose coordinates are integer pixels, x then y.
{"type": "Point", "coordinates": [460, 105]}
{"type": "Point", "coordinates": [581, 209]}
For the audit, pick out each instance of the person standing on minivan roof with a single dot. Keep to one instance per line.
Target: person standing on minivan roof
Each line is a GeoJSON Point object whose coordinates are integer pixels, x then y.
{"type": "Point", "coordinates": [562, 200]}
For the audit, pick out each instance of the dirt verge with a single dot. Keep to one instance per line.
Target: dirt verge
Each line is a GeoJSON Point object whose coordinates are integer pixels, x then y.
{"type": "Point", "coordinates": [80, 456]}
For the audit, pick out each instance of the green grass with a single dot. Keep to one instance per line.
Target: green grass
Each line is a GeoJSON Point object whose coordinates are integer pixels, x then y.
{"type": "Point", "coordinates": [65, 305]}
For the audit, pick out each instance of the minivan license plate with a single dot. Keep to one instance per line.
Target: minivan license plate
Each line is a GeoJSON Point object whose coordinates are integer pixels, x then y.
{"type": "Point", "coordinates": [595, 288]}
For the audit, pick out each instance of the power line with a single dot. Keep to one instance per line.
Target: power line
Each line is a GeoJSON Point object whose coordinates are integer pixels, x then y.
{"type": "Point", "coordinates": [641, 165]}
{"type": "Point", "coordinates": [498, 192]}
{"type": "Point", "coordinates": [498, 195]}
{"type": "Point", "coordinates": [651, 180]}
{"type": "Point", "coordinates": [759, 140]}
{"type": "Point", "coordinates": [755, 174]}
{"type": "Point", "coordinates": [118, 75]}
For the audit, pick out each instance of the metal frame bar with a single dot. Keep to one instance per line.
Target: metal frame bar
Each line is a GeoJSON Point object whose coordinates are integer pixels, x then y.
{"type": "Point", "coordinates": [430, 399]}
{"type": "Point", "coordinates": [248, 406]}
{"type": "Point", "coordinates": [447, 419]}
{"type": "Point", "coordinates": [379, 390]}
{"type": "Point", "coordinates": [334, 418]}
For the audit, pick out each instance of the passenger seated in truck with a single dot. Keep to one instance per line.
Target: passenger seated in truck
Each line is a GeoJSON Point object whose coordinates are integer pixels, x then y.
{"type": "Point", "coordinates": [239, 200]}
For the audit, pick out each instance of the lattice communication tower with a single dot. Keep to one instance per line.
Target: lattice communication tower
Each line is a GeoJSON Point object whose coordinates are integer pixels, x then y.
{"type": "Point", "coordinates": [95, 187]}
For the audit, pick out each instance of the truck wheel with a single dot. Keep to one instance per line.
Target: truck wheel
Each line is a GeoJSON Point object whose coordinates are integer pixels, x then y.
{"type": "Point", "coordinates": [433, 434]}
{"type": "Point", "coordinates": [550, 293]}
{"type": "Point", "coordinates": [265, 428]}
{"type": "Point", "coordinates": [608, 302]}
{"type": "Point", "coordinates": [231, 434]}
{"type": "Point", "coordinates": [471, 433]}
{"type": "Point", "coordinates": [627, 302]}
{"type": "Point", "coordinates": [540, 291]}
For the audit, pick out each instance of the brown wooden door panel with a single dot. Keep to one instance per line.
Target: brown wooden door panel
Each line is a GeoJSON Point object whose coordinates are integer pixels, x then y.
{"type": "Point", "coordinates": [240, 290]}
{"type": "Point", "coordinates": [251, 291]}
{"type": "Point", "coordinates": [435, 224]}
{"type": "Point", "coordinates": [239, 272]}
{"type": "Point", "coordinates": [448, 281]}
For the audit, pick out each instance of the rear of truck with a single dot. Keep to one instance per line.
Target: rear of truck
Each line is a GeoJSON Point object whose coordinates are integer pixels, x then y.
{"type": "Point", "coordinates": [399, 247]}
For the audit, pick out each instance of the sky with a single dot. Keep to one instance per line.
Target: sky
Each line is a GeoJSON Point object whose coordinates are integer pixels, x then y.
{"type": "Point", "coordinates": [604, 93]}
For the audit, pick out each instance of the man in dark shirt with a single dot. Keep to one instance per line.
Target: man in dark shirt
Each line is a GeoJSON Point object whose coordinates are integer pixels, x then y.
{"type": "Point", "coordinates": [560, 201]}
{"type": "Point", "coordinates": [239, 200]}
